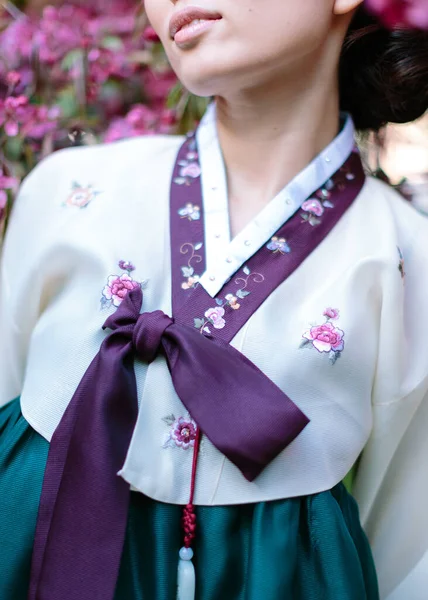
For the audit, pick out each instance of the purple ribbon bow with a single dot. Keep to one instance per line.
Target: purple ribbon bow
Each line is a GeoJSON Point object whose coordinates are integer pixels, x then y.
{"type": "Point", "coordinates": [83, 510]}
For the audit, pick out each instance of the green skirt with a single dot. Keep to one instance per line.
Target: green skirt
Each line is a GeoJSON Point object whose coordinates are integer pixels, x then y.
{"type": "Point", "coordinates": [308, 548]}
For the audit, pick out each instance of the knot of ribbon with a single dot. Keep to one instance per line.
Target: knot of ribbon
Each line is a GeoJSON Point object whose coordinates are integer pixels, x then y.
{"type": "Point", "coordinates": [242, 412]}
{"type": "Point", "coordinates": [148, 332]}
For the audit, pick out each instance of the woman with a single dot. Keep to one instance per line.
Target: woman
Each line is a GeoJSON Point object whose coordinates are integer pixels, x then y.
{"type": "Point", "coordinates": [296, 348]}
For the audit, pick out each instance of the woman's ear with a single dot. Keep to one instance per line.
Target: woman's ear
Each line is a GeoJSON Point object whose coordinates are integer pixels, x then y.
{"type": "Point", "coordinates": [343, 7]}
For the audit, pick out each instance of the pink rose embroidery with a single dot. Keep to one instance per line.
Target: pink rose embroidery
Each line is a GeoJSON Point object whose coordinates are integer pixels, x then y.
{"type": "Point", "coordinates": [119, 285]}
{"type": "Point", "coordinates": [215, 317]}
{"type": "Point", "coordinates": [81, 196]}
{"type": "Point", "coordinates": [182, 433]}
{"type": "Point", "coordinates": [314, 207]}
{"type": "Point", "coordinates": [192, 170]}
{"type": "Point", "coordinates": [326, 338]}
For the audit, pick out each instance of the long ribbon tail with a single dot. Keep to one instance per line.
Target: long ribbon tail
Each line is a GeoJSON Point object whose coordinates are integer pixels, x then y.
{"type": "Point", "coordinates": [84, 504]}
{"type": "Point", "coordinates": [241, 411]}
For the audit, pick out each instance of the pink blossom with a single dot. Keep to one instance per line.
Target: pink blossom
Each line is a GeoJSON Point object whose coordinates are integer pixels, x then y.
{"type": "Point", "coordinates": [313, 206]}
{"type": "Point", "coordinates": [13, 78]}
{"type": "Point", "coordinates": [331, 313]}
{"type": "Point", "coordinates": [117, 288]}
{"type": "Point", "coordinates": [192, 170]}
{"type": "Point", "coordinates": [215, 316]}
{"type": "Point", "coordinates": [326, 338]}
{"type": "Point", "coordinates": [3, 201]}
{"type": "Point", "coordinates": [150, 35]}
{"type": "Point", "coordinates": [184, 433]}
{"type": "Point", "coordinates": [7, 183]}
{"type": "Point", "coordinates": [3, 204]}
{"type": "Point", "coordinates": [410, 13]}
{"type": "Point", "coordinates": [80, 197]}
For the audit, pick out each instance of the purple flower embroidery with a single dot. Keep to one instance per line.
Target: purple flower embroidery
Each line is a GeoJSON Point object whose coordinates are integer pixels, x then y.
{"type": "Point", "coordinates": [81, 196]}
{"type": "Point", "coordinates": [278, 245]}
{"type": "Point", "coordinates": [182, 432]}
{"type": "Point", "coordinates": [326, 338]}
{"type": "Point", "coordinates": [189, 167]}
{"type": "Point", "coordinates": [119, 285]}
{"type": "Point", "coordinates": [215, 317]}
{"type": "Point", "coordinates": [191, 212]}
{"type": "Point", "coordinates": [188, 271]}
{"type": "Point", "coordinates": [125, 265]}
{"type": "Point", "coordinates": [331, 313]}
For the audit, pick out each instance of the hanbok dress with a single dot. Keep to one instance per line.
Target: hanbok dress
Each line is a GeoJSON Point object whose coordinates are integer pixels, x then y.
{"type": "Point", "coordinates": [149, 362]}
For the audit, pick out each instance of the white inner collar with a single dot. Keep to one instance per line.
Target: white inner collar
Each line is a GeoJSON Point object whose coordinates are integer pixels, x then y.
{"type": "Point", "coordinates": [226, 256]}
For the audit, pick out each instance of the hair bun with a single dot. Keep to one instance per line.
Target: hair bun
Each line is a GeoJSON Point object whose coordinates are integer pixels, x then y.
{"type": "Point", "coordinates": [383, 74]}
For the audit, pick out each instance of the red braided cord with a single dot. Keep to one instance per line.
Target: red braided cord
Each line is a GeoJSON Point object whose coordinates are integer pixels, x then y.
{"type": "Point", "coordinates": [189, 517]}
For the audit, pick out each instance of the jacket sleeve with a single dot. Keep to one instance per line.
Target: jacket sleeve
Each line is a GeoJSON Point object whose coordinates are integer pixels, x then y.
{"type": "Point", "coordinates": [392, 483]}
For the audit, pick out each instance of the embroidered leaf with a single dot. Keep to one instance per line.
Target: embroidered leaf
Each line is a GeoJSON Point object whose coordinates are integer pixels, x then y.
{"type": "Point", "coordinates": [198, 246]}
{"type": "Point", "coordinates": [199, 323]}
{"type": "Point", "coordinates": [305, 343]}
{"type": "Point", "coordinates": [144, 284]}
{"type": "Point", "coordinates": [75, 185]}
{"type": "Point", "coordinates": [187, 271]}
{"type": "Point", "coordinates": [169, 420]}
{"type": "Point", "coordinates": [219, 301]}
{"type": "Point", "coordinates": [169, 443]}
{"type": "Point", "coordinates": [242, 294]}
{"type": "Point", "coordinates": [334, 357]}
{"type": "Point", "coordinates": [105, 303]}
{"type": "Point", "coordinates": [314, 221]}
{"type": "Point", "coordinates": [207, 330]}
{"type": "Point", "coordinates": [247, 270]}
{"type": "Point", "coordinates": [182, 163]}
{"type": "Point", "coordinates": [180, 180]}
{"type": "Point", "coordinates": [328, 204]}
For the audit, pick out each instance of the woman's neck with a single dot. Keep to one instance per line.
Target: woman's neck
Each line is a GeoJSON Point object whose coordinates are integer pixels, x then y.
{"type": "Point", "coordinates": [268, 136]}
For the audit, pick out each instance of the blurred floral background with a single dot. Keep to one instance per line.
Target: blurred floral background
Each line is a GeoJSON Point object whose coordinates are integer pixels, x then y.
{"type": "Point", "coordinates": [80, 72]}
{"type": "Point", "coordinates": [77, 72]}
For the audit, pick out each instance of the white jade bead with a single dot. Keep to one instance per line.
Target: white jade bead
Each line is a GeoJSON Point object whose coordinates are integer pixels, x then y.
{"type": "Point", "coordinates": [186, 553]}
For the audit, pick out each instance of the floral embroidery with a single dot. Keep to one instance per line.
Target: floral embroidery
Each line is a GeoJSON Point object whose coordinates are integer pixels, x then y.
{"type": "Point", "coordinates": [314, 208]}
{"type": "Point", "coordinates": [189, 167]}
{"type": "Point", "coordinates": [326, 337]}
{"type": "Point", "coordinates": [401, 264]}
{"type": "Point", "coordinates": [191, 212]}
{"type": "Point", "coordinates": [81, 196]}
{"type": "Point", "coordinates": [278, 245]}
{"type": "Point", "coordinates": [188, 271]}
{"type": "Point", "coordinates": [182, 433]}
{"type": "Point", "coordinates": [119, 285]}
{"type": "Point", "coordinates": [331, 313]}
{"type": "Point", "coordinates": [232, 301]}
{"type": "Point", "coordinates": [214, 316]}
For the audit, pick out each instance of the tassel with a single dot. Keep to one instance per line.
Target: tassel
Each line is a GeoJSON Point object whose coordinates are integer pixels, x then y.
{"type": "Point", "coordinates": [186, 580]}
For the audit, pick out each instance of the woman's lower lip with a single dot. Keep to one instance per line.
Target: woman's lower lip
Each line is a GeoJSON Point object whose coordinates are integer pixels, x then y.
{"type": "Point", "coordinates": [188, 34]}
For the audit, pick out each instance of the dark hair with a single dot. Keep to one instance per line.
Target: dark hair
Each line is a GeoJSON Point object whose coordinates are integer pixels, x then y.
{"type": "Point", "coordinates": [383, 73]}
